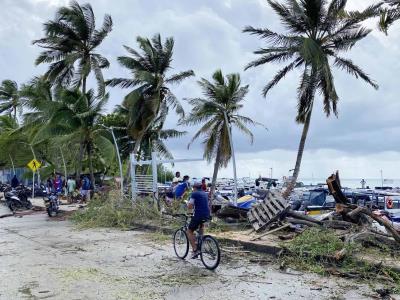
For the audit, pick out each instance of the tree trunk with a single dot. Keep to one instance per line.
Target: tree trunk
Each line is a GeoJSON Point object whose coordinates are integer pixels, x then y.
{"type": "Point", "coordinates": [300, 151]}
{"type": "Point", "coordinates": [80, 158]}
{"type": "Point", "coordinates": [215, 174]}
{"type": "Point", "coordinates": [15, 113]}
{"type": "Point", "coordinates": [92, 179]}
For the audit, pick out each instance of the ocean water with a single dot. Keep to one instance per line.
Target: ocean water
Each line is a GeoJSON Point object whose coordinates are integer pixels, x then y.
{"type": "Point", "coordinates": [356, 183]}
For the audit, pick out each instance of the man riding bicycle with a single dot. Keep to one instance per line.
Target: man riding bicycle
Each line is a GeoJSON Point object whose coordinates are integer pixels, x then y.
{"type": "Point", "coordinates": [199, 202]}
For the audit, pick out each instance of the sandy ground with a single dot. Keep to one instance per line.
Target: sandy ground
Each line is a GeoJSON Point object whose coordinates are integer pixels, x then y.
{"type": "Point", "coordinates": [46, 259]}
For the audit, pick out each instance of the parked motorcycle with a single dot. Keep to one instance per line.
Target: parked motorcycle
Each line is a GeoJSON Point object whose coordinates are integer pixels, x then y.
{"type": "Point", "coordinates": [17, 199]}
{"type": "Point", "coordinates": [52, 204]}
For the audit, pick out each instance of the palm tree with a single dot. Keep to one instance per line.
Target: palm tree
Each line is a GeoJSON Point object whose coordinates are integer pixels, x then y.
{"type": "Point", "coordinates": [149, 82]}
{"type": "Point", "coordinates": [389, 14]}
{"type": "Point", "coordinates": [222, 102]}
{"type": "Point", "coordinates": [155, 137]}
{"type": "Point", "coordinates": [317, 32]}
{"type": "Point", "coordinates": [70, 45]}
{"type": "Point", "coordinates": [10, 99]}
{"type": "Point", "coordinates": [75, 122]}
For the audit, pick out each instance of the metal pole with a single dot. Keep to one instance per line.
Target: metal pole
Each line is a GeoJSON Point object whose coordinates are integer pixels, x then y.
{"type": "Point", "coordinates": [33, 185]}
{"type": "Point", "coordinates": [119, 162]}
{"type": "Point", "coordinates": [233, 159]}
{"type": "Point", "coordinates": [118, 157]}
{"type": "Point", "coordinates": [133, 177]}
{"type": "Point", "coordinates": [154, 171]}
{"type": "Point", "coordinates": [12, 163]}
{"type": "Point", "coordinates": [65, 170]}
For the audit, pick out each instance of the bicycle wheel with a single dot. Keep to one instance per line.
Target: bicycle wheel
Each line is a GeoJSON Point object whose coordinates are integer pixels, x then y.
{"type": "Point", "coordinates": [210, 253]}
{"type": "Point", "coordinates": [181, 243]}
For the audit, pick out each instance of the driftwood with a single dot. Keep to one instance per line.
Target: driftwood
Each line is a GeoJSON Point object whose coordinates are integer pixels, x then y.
{"type": "Point", "coordinates": [335, 188]}
{"type": "Point", "coordinates": [337, 224]}
{"type": "Point", "coordinates": [302, 222]}
{"type": "Point", "coordinates": [269, 232]}
{"type": "Point", "coordinates": [300, 216]}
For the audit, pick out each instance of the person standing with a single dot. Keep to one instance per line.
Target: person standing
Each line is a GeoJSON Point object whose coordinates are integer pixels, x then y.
{"type": "Point", "coordinates": [71, 186]}
{"type": "Point", "coordinates": [14, 182]}
{"type": "Point", "coordinates": [85, 189]}
{"type": "Point", "coordinates": [49, 185]}
{"type": "Point", "coordinates": [177, 177]}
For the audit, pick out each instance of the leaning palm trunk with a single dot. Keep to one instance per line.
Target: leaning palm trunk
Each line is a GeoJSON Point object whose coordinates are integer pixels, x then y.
{"type": "Point", "coordinates": [215, 175]}
{"type": "Point", "coordinates": [296, 171]}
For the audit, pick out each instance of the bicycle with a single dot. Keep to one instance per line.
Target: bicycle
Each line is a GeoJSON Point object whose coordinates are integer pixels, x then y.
{"type": "Point", "coordinates": [210, 253]}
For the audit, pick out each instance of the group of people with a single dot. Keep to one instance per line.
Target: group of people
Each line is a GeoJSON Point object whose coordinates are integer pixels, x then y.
{"type": "Point", "coordinates": [198, 203]}
{"type": "Point", "coordinates": [181, 186]}
{"type": "Point", "coordinates": [57, 185]}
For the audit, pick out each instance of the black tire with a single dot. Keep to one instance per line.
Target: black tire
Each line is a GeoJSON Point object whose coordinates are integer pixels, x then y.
{"type": "Point", "coordinates": [51, 212]}
{"type": "Point", "coordinates": [28, 204]}
{"type": "Point", "coordinates": [12, 206]}
{"type": "Point", "coordinates": [210, 253]}
{"type": "Point", "coordinates": [181, 243]}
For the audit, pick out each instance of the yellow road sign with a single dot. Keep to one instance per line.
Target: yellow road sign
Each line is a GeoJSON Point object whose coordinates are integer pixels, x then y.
{"type": "Point", "coordinates": [34, 165]}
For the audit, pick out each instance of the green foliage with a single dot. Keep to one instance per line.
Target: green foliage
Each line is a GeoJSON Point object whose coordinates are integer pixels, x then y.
{"type": "Point", "coordinates": [150, 93]}
{"type": "Point", "coordinates": [70, 44]}
{"type": "Point", "coordinates": [317, 32]}
{"type": "Point", "coordinates": [112, 211]}
{"type": "Point", "coordinates": [314, 250]}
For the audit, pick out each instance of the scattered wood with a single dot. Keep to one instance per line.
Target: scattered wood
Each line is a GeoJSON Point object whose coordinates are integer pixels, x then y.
{"type": "Point", "coordinates": [269, 232]}
{"type": "Point", "coordinates": [301, 222]}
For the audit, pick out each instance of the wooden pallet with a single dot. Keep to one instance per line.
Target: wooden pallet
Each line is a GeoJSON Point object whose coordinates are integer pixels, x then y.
{"type": "Point", "coordinates": [268, 211]}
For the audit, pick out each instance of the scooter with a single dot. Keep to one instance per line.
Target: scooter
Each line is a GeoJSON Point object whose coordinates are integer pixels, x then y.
{"type": "Point", "coordinates": [15, 200]}
{"type": "Point", "coordinates": [52, 204]}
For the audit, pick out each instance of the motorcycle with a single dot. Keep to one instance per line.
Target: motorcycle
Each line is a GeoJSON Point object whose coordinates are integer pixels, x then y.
{"type": "Point", "coordinates": [52, 204]}
{"type": "Point", "coordinates": [16, 200]}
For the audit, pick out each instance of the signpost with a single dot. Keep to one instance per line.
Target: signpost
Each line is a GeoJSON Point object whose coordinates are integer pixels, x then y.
{"type": "Point", "coordinates": [34, 165]}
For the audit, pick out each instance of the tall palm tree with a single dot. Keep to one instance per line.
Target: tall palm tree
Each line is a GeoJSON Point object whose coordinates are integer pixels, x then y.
{"type": "Point", "coordinates": [149, 84]}
{"type": "Point", "coordinates": [222, 102]}
{"type": "Point", "coordinates": [10, 98]}
{"type": "Point", "coordinates": [70, 44]}
{"type": "Point", "coordinates": [317, 32]}
{"type": "Point", "coordinates": [389, 14]}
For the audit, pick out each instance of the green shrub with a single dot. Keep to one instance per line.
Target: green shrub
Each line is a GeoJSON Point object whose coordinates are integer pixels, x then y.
{"type": "Point", "coordinates": [112, 211]}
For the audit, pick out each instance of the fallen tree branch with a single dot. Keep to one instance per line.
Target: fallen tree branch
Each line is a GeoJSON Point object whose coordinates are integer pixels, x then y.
{"type": "Point", "coordinates": [383, 222]}
{"type": "Point", "coordinates": [302, 222]}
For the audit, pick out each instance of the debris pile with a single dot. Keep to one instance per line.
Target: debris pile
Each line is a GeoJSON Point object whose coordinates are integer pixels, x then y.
{"type": "Point", "coordinates": [361, 224]}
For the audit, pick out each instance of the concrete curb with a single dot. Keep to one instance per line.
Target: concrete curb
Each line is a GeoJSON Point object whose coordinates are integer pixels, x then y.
{"type": "Point", "coordinates": [266, 249]}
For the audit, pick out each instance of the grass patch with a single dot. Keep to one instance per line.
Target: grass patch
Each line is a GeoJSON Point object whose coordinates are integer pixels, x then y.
{"type": "Point", "coordinates": [113, 212]}
{"type": "Point", "coordinates": [314, 251]}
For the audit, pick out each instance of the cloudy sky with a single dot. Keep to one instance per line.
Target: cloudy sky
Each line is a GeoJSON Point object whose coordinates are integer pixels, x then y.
{"type": "Point", "coordinates": [362, 141]}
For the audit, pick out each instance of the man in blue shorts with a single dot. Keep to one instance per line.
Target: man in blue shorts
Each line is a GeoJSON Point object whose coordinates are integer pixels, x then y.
{"type": "Point", "coordinates": [199, 202]}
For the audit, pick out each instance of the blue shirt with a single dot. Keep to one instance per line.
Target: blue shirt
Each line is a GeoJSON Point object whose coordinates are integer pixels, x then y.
{"type": "Point", "coordinates": [199, 199]}
{"type": "Point", "coordinates": [181, 188]}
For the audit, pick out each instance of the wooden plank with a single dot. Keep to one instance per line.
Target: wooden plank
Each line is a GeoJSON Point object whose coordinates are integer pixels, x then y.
{"type": "Point", "coordinates": [272, 209]}
{"type": "Point", "coordinates": [277, 204]}
{"type": "Point", "coordinates": [266, 209]}
{"type": "Point", "coordinates": [269, 232]}
{"type": "Point", "coordinates": [258, 218]}
{"type": "Point", "coordinates": [262, 214]}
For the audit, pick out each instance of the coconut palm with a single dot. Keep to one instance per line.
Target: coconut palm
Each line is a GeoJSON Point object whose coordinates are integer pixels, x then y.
{"type": "Point", "coordinates": [75, 122]}
{"type": "Point", "coordinates": [10, 99]}
{"type": "Point", "coordinates": [389, 14]}
{"type": "Point", "coordinates": [70, 44]}
{"type": "Point", "coordinates": [222, 102]}
{"type": "Point", "coordinates": [149, 83]}
{"type": "Point", "coordinates": [317, 32]}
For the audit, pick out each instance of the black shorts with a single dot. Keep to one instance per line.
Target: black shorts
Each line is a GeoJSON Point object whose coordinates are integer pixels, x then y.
{"type": "Point", "coordinates": [196, 223]}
